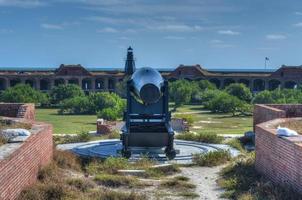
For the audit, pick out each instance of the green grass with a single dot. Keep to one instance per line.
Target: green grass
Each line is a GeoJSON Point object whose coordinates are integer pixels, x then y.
{"type": "Point", "coordinates": [67, 124]}
{"type": "Point", "coordinates": [216, 123]}
{"type": "Point", "coordinates": [203, 121]}
{"type": "Point", "coordinates": [201, 137]}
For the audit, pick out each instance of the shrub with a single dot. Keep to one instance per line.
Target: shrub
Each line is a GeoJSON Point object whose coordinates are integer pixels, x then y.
{"type": "Point", "coordinates": [263, 97]}
{"type": "Point", "coordinates": [206, 85]}
{"type": "Point", "coordinates": [76, 105]}
{"type": "Point", "coordinates": [110, 165]}
{"type": "Point", "coordinates": [235, 143]}
{"type": "Point", "coordinates": [42, 192]}
{"type": "Point", "coordinates": [240, 91]}
{"type": "Point", "coordinates": [187, 117]}
{"type": "Point", "coordinates": [80, 184]}
{"type": "Point", "coordinates": [201, 137]}
{"type": "Point", "coordinates": [23, 94]}
{"type": "Point", "coordinates": [62, 92]}
{"type": "Point", "coordinates": [115, 180]}
{"type": "Point", "coordinates": [66, 160]}
{"type": "Point", "coordinates": [225, 103]}
{"type": "Point", "coordinates": [181, 92]}
{"type": "Point", "coordinates": [48, 173]}
{"type": "Point", "coordinates": [177, 184]}
{"type": "Point", "coordinates": [109, 114]}
{"type": "Point", "coordinates": [2, 141]}
{"type": "Point", "coordinates": [212, 158]}
{"type": "Point", "coordinates": [167, 170]}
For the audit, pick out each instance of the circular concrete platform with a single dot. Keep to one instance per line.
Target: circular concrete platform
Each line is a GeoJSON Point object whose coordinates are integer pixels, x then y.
{"type": "Point", "coordinates": [111, 148]}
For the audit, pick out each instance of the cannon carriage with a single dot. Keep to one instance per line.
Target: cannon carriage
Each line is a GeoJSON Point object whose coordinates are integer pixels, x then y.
{"type": "Point", "coordinates": [147, 119]}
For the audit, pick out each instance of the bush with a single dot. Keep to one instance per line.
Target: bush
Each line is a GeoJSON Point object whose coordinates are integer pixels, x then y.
{"type": "Point", "coordinates": [81, 184]}
{"type": "Point", "coordinates": [263, 97]}
{"type": "Point", "coordinates": [240, 91]}
{"type": "Point", "coordinates": [201, 137]}
{"type": "Point", "coordinates": [115, 180]}
{"type": "Point", "coordinates": [62, 92]}
{"type": "Point", "coordinates": [110, 165]}
{"type": "Point", "coordinates": [107, 105]}
{"type": "Point", "coordinates": [109, 114]}
{"type": "Point", "coordinates": [186, 117]}
{"type": "Point", "coordinates": [181, 92]}
{"type": "Point", "coordinates": [66, 160]}
{"type": "Point", "coordinates": [225, 103]}
{"type": "Point", "coordinates": [23, 94]}
{"type": "Point", "coordinates": [212, 158]}
{"type": "Point", "coordinates": [206, 85]}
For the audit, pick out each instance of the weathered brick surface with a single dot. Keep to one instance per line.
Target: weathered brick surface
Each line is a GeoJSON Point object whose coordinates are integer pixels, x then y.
{"type": "Point", "coordinates": [19, 170]}
{"type": "Point", "coordinates": [263, 113]}
{"type": "Point", "coordinates": [278, 159]}
{"type": "Point", "coordinates": [18, 110]}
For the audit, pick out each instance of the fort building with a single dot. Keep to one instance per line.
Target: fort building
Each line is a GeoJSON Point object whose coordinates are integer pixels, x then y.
{"type": "Point", "coordinates": [105, 79]}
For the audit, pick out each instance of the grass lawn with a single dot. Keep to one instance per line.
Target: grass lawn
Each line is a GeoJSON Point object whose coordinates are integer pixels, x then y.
{"type": "Point", "coordinates": [204, 121]}
{"type": "Point", "coordinates": [67, 124]}
{"type": "Point", "coordinates": [208, 122]}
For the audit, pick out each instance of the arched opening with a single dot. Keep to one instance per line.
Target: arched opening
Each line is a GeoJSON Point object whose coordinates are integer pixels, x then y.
{"type": "Point", "coordinates": [111, 84]}
{"type": "Point", "coordinates": [31, 83]}
{"type": "Point", "coordinates": [290, 84]}
{"type": "Point", "coordinates": [215, 81]}
{"type": "Point", "coordinates": [273, 84]}
{"type": "Point", "coordinates": [259, 85]}
{"type": "Point", "coordinates": [228, 82]}
{"type": "Point", "coordinates": [14, 82]}
{"type": "Point", "coordinates": [44, 84]}
{"type": "Point", "coordinates": [2, 84]}
{"type": "Point", "coordinates": [73, 81]}
{"type": "Point", "coordinates": [245, 82]}
{"type": "Point", "coordinates": [59, 81]}
{"type": "Point", "coordinates": [99, 84]}
{"type": "Point", "coordinates": [86, 84]}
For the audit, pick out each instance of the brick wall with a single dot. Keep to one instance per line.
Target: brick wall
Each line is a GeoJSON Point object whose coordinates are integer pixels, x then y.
{"type": "Point", "coordinates": [279, 159]}
{"type": "Point", "coordinates": [19, 170]}
{"type": "Point", "coordinates": [19, 110]}
{"type": "Point", "coordinates": [263, 113]}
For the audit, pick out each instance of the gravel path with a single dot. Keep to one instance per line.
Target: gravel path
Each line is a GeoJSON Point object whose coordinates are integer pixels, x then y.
{"type": "Point", "coordinates": [205, 180]}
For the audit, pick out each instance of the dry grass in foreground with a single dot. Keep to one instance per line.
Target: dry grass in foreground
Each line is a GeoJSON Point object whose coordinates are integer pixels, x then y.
{"type": "Point", "coordinates": [241, 181]}
{"type": "Point", "coordinates": [69, 177]}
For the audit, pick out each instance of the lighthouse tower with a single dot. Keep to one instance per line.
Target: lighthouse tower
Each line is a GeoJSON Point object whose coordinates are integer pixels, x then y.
{"type": "Point", "coordinates": [130, 63]}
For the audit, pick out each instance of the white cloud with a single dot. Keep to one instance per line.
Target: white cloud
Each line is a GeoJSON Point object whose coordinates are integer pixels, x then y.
{"type": "Point", "coordinates": [52, 26]}
{"type": "Point", "coordinates": [298, 24]}
{"type": "Point", "coordinates": [174, 38]}
{"type": "Point", "coordinates": [275, 37]}
{"type": "Point", "coordinates": [228, 32]}
{"type": "Point", "coordinates": [107, 30]}
{"type": "Point", "coordinates": [216, 41]}
{"type": "Point", "coordinates": [176, 28]}
{"type": "Point", "coordinates": [22, 3]}
{"type": "Point", "coordinates": [298, 13]}
{"type": "Point", "coordinates": [6, 31]}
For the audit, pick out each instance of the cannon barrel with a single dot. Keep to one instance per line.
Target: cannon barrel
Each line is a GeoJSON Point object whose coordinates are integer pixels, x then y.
{"type": "Point", "coordinates": [147, 84]}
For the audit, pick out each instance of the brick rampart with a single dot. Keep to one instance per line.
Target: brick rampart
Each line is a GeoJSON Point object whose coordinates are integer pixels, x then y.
{"type": "Point", "coordinates": [19, 168]}
{"type": "Point", "coordinates": [263, 113]}
{"type": "Point", "coordinates": [279, 159]}
{"type": "Point", "coordinates": [18, 110]}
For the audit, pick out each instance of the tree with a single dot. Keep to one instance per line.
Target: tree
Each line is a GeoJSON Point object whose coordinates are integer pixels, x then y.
{"type": "Point", "coordinates": [226, 103]}
{"type": "Point", "coordinates": [62, 92]}
{"type": "Point", "coordinates": [240, 91]}
{"type": "Point", "coordinates": [206, 85]}
{"type": "Point", "coordinates": [121, 87]}
{"type": "Point", "coordinates": [23, 94]}
{"type": "Point", "coordinates": [180, 92]}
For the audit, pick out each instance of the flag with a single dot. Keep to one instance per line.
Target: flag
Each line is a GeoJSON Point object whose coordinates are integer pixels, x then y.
{"type": "Point", "coordinates": [266, 58]}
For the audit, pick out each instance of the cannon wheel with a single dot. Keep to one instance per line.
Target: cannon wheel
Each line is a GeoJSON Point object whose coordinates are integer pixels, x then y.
{"type": "Point", "coordinates": [126, 153]}
{"type": "Point", "coordinates": [170, 153]}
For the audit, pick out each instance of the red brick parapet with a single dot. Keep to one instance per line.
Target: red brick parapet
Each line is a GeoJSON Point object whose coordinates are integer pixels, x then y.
{"type": "Point", "coordinates": [18, 110]}
{"type": "Point", "coordinates": [279, 159]}
{"type": "Point", "coordinates": [267, 112]}
{"type": "Point", "coordinates": [20, 164]}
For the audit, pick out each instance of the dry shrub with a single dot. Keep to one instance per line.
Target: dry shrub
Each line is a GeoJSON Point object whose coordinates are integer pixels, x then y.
{"type": "Point", "coordinates": [212, 158]}
{"type": "Point", "coordinates": [81, 184]}
{"type": "Point", "coordinates": [2, 141]}
{"type": "Point", "coordinates": [110, 165]}
{"type": "Point", "coordinates": [49, 173]}
{"type": "Point", "coordinates": [115, 195]}
{"type": "Point", "coordinates": [201, 137]}
{"type": "Point", "coordinates": [67, 160]}
{"type": "Point", "coordinates": [167, 170]}
{"type": "Point", "coordinates": [115, 180]}
{"type": "Point", "coordinates": [50, 191]}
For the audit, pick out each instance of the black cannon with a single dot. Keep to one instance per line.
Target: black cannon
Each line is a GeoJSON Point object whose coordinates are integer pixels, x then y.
{"type": "Point", "coordinates": [147, 119]}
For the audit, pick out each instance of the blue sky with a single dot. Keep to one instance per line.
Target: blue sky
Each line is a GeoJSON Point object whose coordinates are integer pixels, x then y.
{"type": "Point", "coordinates": [163, 33]}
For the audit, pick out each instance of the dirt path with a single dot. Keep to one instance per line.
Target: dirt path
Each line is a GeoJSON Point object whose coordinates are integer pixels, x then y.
{"type": "Point", "coordinates": [205, 180]}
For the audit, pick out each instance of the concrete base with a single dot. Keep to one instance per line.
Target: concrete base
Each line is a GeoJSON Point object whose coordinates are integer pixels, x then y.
{"type": "Point", "coordinates": [112, 148]}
